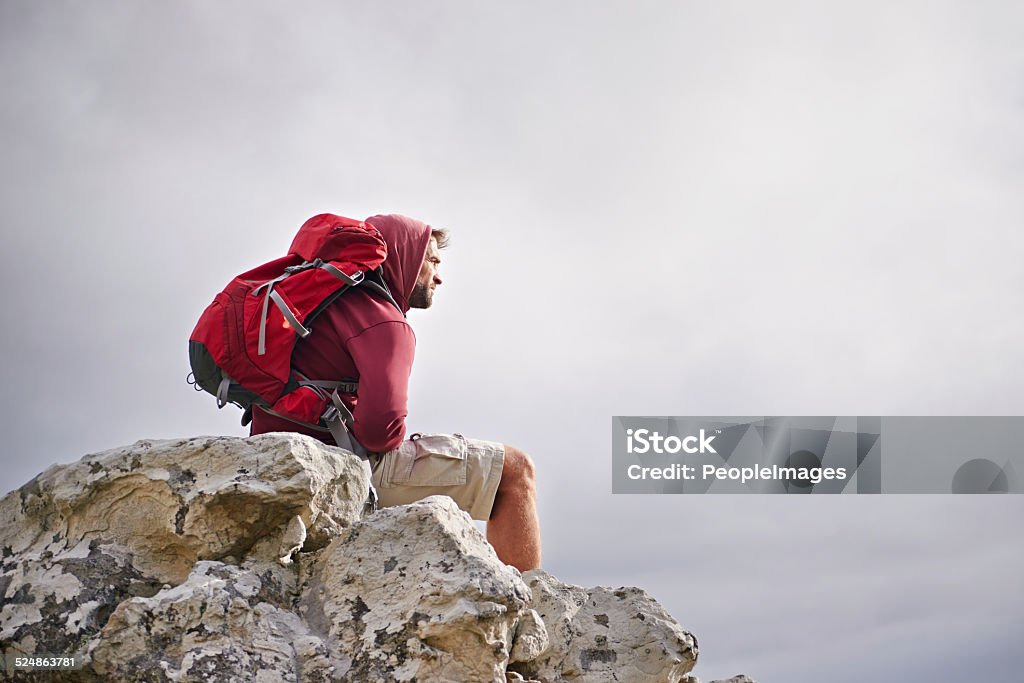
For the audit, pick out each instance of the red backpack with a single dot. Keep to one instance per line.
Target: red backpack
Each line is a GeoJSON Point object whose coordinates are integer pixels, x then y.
{"type": "Point", "coordinates": [241, 348]}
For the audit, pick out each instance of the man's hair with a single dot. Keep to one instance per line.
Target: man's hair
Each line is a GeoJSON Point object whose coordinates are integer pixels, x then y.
{"type": "Point", "coordinates": [441, 236]}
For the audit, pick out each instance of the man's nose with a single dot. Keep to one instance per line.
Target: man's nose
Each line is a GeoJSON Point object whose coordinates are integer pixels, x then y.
{"type": "Point", "coordinates": [437, 279]}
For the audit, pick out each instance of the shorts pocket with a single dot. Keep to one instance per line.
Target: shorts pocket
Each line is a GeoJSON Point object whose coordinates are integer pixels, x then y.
{"type": "Point", "coordinates": [429, 460]}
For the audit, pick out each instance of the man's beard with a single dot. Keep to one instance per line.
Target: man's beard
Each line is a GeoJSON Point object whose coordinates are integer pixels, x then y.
{"type": "Point", "coordinates": [422, 296]}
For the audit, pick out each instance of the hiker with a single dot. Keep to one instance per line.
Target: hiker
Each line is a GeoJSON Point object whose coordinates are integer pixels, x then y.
{"type": "Point", "coordinates": [364, 337]}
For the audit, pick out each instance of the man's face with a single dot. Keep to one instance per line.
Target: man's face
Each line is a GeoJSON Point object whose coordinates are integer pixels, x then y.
{"type": "Point", "coordinates": [423, 293]}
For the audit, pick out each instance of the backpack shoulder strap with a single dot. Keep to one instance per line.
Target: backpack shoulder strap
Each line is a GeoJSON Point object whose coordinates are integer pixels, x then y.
{"type": "Point", "coordinates": [375, 283]}
{"type": "Point", "coordinates": [372, 282]}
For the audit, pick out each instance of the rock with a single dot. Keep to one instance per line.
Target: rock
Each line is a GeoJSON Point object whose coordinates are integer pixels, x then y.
{"type": "Point", "coordinates": [740, 678]}
{"type": "Point", "coordinates": [79, 539]}
{"type": "Point", "coordinates": [226, 559]}
{"type": "Point", "coordinates": [52, 604]}
{"type": "Point", "coordinates": [531, 637]}
{"type": "Point", "coordinates": [416, 593]}
{"type": "Point", "coordinates": [513, 677]}
{"type": "Point", "coordinates": [223, 623]}
{"type": "Point", "coordinates": [292, 540]}
{"type": "Point", "coordinates": [601, 634]}
{"type": "Point", "coordinates": [171, 503]}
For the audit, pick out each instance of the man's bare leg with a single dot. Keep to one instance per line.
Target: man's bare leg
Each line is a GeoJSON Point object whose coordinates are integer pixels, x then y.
{"type": "Point", "coordinates": [514, 529]}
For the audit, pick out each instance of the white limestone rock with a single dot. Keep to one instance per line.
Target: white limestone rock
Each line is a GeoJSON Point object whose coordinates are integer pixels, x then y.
{"type": "Point", "coordinates": [80, 538]}
{"type": "Point", "coordinates": [173, 502]}
{"type": "Point", "coordinates": [416, 593]}
{"type": "Point", "coordinates": [531, 637]}
{"type": "Point", "coordinates": [600, 634]}
{"type": "Point", "coordinates": [223, 623]}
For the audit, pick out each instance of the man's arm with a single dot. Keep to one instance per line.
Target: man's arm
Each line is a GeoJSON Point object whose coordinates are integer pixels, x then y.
{"type": "Point", "coordinates": [383, 354]}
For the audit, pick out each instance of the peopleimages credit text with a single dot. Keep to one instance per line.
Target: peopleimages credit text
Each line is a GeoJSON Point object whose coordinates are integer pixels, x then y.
{"type": "Point", "coordinates": [815, 475]}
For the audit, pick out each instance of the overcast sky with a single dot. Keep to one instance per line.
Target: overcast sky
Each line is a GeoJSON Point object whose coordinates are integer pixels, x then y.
{"type": "Point", "coordinates": [657, 208]}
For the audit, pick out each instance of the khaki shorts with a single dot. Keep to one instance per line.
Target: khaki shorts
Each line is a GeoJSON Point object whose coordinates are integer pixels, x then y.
{"type": "Point", "coordinates": [467, 470]}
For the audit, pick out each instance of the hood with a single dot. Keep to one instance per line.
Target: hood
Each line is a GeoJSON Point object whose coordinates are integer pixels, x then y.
{"type": "Point", "coordinates": [407, 240]}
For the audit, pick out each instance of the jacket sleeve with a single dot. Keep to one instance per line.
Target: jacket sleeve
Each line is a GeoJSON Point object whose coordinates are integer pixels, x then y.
{"type": "Point", "coordinates": [383, 355]}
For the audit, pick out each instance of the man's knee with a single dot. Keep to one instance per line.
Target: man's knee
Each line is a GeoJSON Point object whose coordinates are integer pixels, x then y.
{"type": "Point", "coordinates": [518, 469]}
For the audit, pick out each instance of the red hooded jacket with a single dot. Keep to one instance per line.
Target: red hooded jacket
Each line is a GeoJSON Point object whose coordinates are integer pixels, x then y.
{"type": "Point", "coordinates": [361, 336]}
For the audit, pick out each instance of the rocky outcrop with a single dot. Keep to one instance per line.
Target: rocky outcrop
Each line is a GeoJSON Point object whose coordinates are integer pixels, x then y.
{"type": "Point", "coordinates": [626, 635]}
{"type": "Point", "coordinates": [226, 559]}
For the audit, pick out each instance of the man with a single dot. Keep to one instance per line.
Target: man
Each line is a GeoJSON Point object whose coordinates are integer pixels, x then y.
{"type": "Point", "coordinates": [363, 337]}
